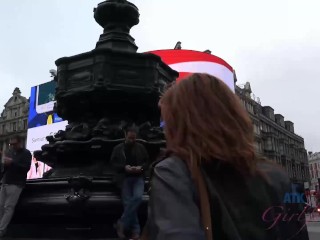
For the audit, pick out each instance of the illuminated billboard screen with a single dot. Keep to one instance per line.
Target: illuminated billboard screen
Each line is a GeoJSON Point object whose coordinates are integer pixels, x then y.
{"type": "Point", "coordinates": [187, 62]}
{"type": "Point", "coordinates": [42, 122]}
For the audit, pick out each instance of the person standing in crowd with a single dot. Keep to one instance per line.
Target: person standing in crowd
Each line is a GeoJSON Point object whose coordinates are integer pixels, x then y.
{"type": "Point", "coordinates": [130, 161]}
{"type": "Point", "coordinates": [16, 165]}
{"type": "Point", "coordinates": [213, 185]}
{"type": "Point", "coordinates": [37, 169]}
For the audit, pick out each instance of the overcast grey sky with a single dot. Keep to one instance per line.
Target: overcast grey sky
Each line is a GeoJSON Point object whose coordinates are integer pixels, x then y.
{"type": "Point", "coordinates": [273, 44]}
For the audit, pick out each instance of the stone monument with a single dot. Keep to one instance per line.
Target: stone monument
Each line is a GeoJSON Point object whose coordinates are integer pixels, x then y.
{"type": "Point", "coordinates": [101, 93]}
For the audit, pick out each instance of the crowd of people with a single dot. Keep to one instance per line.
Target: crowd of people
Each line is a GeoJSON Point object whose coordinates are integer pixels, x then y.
{"type": "Point", "coordinates": [209, 184]}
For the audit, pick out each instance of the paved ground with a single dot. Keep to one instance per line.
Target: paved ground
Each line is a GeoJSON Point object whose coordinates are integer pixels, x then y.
{"type": "Point", "coordinates": [313, 224]}
{"type": "Point", "coordinates": [314, 231]}
{"type": "Point", "coordinates": [314, 236]}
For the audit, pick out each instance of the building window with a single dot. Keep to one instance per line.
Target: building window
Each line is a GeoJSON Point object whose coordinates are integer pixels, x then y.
{"type": "Point", "coordinates": [289, 169]}
{"type": "Point", "coordinates": [14, 126]}
{"type": "Point", "coordinates": [269, 145]}
{"type": "Point", "coordinates": [25, 124]}
{"type": "Point", "coordinates": [281, 149]}
{"type": "Point", "coordinates": [14, 113]}
{"type": "Point", "coordinates": [249, 107]}
{"type": "Point", "coordinates": [294, 169]}
{"type": "Point", "coordinates": [256, 129]}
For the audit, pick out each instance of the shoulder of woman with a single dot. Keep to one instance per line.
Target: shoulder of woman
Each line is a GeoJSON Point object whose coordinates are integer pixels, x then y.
{"type": "Point", "coordinates": [172, 163]}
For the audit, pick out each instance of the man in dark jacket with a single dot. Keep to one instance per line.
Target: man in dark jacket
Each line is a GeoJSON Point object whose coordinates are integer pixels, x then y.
{"type": "Point", "coordinates": [16, 165]}
{"type": "Point", "coordinates": [130, 162]}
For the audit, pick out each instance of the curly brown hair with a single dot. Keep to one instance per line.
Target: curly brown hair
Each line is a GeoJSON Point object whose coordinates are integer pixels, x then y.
{"type": "Point", "coordinates": [205, 121]}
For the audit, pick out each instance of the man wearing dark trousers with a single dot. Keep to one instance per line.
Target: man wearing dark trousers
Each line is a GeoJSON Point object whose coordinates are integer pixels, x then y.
{"type": "Point", "coordinates": [130, 161]}
{"type": "Point", "coordinates": [16, 165]}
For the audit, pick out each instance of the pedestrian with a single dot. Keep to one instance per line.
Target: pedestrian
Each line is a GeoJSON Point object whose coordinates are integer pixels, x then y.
{"type": "Point", "coordinates": [130, 161]}
{"type": "Point", "coordinates": [17, 162]}
{"type": "Point", "coordinates": [213, 185]}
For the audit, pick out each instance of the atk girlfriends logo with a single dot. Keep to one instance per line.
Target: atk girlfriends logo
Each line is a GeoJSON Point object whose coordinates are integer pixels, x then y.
{"type": "Point", "coordinates": [285, 214]}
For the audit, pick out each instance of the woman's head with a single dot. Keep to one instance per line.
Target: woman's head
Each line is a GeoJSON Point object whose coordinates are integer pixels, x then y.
{"type": "Point", "coordinates": [205, 120]}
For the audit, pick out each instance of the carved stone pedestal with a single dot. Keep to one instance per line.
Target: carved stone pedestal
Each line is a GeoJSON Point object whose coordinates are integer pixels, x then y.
{"type": "Point", "coordinates": [101, 93]}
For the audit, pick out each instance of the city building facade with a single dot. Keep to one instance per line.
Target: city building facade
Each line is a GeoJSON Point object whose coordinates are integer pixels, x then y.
{"type": "Point", "coordinates": [14, 119]}
{"type": "Point", "coordinates": [314, 168]}
{"type": "Point", "coordinates": [275, 138]}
